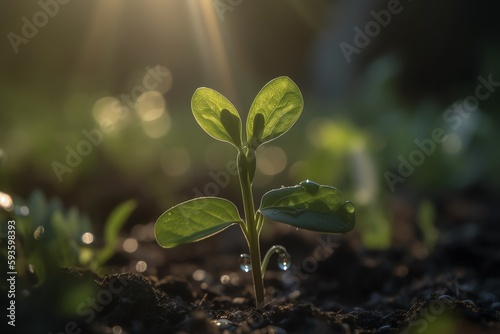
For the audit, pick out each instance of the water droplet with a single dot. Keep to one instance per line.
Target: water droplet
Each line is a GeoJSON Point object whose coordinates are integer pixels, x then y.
{"type": "Point", "coordinates": [284, 260]}
{"type": "Point", "coordinates": [349, 207]}
{"type": "Point", "coordinates": [224, 324]}
{"type": "Point", "coordinates": [38, 232]}
{"type": "Point", "coordinates": [245, 262]}
{"type": "Point", "coordinates": [309, 186]}
{"type": "Point", "coordinates": [170, 213]}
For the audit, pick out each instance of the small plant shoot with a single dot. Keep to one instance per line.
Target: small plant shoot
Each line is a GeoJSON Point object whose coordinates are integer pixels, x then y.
{"type": "Point", "coordinates": [307, 205]}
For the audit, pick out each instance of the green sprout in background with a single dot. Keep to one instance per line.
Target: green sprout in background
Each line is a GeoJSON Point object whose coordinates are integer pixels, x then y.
{"type": "Point", "coordinates": [307, 205]}
{"type": "Point", "coordinates": [50, 236]}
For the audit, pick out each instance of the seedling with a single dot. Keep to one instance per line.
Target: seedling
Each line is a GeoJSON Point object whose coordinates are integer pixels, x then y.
{"type": "Point", "coordinates": [307, 205]}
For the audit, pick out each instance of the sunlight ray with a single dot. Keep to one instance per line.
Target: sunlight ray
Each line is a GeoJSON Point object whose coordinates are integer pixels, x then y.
{"type": "Point", "coordinates": [211, 44]}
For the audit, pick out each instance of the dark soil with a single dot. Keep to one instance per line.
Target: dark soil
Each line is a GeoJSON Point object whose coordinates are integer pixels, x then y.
{"type": "Point", "coordinates": [453, 288]}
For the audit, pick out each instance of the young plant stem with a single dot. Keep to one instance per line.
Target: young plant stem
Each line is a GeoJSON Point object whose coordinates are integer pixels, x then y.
{"type": "Point", "coordinates": [276, 249]}
{"type": "Point", "coordinates": [252, 233]}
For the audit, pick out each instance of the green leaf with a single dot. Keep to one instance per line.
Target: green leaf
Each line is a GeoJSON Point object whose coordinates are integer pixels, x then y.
{"type": "Point", "coordinates": [112, 228]}
{"type": "Point", "coordinates": [217, 116]}
{"type": "Point", "coordinates": [195, 220]}
{"type": "Point", "coordinates": [273, 112]}
{"type": "Point", "coordinates": [310, 206]}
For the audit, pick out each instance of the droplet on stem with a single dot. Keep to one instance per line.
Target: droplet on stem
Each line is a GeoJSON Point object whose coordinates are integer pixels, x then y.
{"type": "Point", "coordinates": [245, 262]}
{"type": "Point", "coordinates": [284, 260]}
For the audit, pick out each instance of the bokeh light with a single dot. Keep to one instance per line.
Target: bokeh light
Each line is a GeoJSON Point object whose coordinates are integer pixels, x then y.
{"type": "Point", "coordinates": [117, 330]}
{"type": "Point", "coordinates": [199, 275]}
{"type": "Point", "coordinates": [6, 202]}
{"type": "Point", "coordinates": [130, 245]}
{"type": "Point", "coordinates": [87, 238]}
{"type": "Point", "coordinates": [297, 170]}
{"type": "Point", "coordinates": [160, 77]}
{"type": "Point", "coordinates": [107, 112]}
{"type": "Point", "coordinates": [150, 106]}
{"type": "Point", "coordinates": [141, 266]}
{"type": "Point", "coordinates": [23, 210]}
{"type": "Point", "coordinates": [271, 160]}
{"type": "Point", "coordinates": [158, 127]}
{"type": "Point", "coordinates": [225, 279]}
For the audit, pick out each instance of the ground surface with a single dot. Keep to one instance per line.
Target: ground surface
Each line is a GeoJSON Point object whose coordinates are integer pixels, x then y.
{"type": "Point", "coordinates": [333, 287]}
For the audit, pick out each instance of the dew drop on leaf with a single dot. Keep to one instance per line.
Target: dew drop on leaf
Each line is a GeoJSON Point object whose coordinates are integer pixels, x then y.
{"type": "Point", "coordinates": [245, 262]}
{"type": "Point", "coordinates": [349, 207]}
{"type": "Point", "coordinates": [309, 186]}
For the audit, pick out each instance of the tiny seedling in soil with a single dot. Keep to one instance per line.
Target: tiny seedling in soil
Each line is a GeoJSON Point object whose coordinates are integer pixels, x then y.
{"type": "Point", "coordinates": [307, 205]}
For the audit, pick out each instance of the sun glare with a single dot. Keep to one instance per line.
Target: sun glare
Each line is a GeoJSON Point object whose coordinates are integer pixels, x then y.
{"type": "Point", "coordinates": [210, 43]}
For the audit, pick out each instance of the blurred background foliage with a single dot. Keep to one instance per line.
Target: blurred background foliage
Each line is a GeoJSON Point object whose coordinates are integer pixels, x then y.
{"type": "Point", "coordinates": [81, 73]}
{"type": "Point", "coordinates": [50, 237]}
